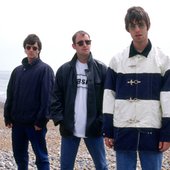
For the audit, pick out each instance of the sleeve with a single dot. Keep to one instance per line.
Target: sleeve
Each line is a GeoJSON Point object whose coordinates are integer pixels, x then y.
{"type": "Point", "coordinates": [46, 92]}
{"type": "Point", "coordinates": [57, 102]}
{"type": "Point", "coordinates": [9, 99]}
{"type": "Point", "coordinates": [165, 100]}
{"type": "Point", "coordinates": [109, 101]}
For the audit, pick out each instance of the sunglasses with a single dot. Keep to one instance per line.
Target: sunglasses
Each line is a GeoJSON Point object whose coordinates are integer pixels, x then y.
{"type": "Point", "coordinates": [81, 43]}
{"type": "Point", "coordinates": [28, 47]}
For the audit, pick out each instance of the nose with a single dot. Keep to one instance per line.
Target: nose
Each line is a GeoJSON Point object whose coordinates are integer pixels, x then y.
{"type": "Point", "coordinates": [137, 28]}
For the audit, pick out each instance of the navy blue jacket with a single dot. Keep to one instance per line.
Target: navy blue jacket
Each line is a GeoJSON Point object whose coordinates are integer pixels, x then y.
{"type": "Point", "coordinates": [28, 94]}
{"type": "Point", "coordinates": [63, 100]}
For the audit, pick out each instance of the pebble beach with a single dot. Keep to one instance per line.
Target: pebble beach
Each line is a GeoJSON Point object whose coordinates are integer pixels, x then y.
{"type": "Point", "coordinates": [83, 159]}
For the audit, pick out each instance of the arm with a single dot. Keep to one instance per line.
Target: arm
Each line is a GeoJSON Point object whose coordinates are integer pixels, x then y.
{"type": "Point", "coordinates": [57, 102]}
{"type": "Point", "coordinates": [164, 100]}
{"type": "Point", "coordinates": [9, 101]}
{"type": "Point", "coordinates": [45, 99]}
{"type": "Point", "coordinates": [108, 106]}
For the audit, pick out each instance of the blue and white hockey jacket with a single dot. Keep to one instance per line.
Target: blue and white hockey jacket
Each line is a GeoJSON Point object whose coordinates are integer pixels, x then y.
{"type": "Point", "coordinates": [136, 102]}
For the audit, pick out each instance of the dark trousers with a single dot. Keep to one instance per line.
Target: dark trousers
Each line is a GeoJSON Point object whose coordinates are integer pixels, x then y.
{"type": "Point", "coordinates": [21, 136]}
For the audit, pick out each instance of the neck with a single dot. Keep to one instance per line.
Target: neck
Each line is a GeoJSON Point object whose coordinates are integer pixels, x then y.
{"type": "Point", "coordinates": [140, 46]}
{"type": "Point", "coordinates": [30, 60]}
{"type": "Point", "coordinates": [82, 59]}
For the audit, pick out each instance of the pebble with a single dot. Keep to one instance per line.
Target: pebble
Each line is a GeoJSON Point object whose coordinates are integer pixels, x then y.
{"type": "Point", "coordinates": [83, 160]}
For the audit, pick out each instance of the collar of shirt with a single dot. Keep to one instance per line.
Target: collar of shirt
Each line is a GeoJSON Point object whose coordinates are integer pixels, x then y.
{"type": "Point", "coordinates": [145, 52]}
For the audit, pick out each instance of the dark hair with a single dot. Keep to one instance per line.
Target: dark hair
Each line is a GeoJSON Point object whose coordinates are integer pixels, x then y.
{"type": "Point", "coordinates": [136, 14]}
{"type": "Point", "coordinates": [31, 39]}
{"type": "Point", "coordinates": [79, 32]}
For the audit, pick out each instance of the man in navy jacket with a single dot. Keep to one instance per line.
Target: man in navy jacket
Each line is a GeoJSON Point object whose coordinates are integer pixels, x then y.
{"type": "Point", "coordinates": [27, 104]}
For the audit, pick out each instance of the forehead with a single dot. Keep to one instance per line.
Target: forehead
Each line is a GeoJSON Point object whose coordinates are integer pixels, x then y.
{"type": "Point", "coordinates": [136, 21]}
{"type": "Point", "coordinates": [35, 44]}
{"type": "Point", "coordinates": [81, 36]}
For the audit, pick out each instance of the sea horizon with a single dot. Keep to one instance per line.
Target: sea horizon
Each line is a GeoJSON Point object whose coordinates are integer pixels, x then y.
{"type": "Point", "coordinates": [4, 79]}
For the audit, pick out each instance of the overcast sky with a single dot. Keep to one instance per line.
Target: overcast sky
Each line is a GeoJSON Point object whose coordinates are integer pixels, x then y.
{"type": "Point", "coordinates": [55, 21]}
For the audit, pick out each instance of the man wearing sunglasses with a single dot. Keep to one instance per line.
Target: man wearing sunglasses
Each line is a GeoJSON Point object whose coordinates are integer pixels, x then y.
{"type": "Point", "coordinates": [27, 103]}
{"type": "Point", "coordinates": [77, 104]}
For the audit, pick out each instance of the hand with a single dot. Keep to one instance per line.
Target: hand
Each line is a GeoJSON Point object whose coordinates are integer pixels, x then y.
{"type": "Point", "coordinates": [37, 128]}
{"type": "Point", "coordinates": [9, 125]}
{"type": "Point", "coordinates": [109, 142]}
{"type": "Point", "coordinates": [163, 146]}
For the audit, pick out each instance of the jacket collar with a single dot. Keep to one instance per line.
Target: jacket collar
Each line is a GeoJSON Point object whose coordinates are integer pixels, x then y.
{"type": "Point", "coordinates": [145, 52]}
{"type": "Point", "coordinates": [74, 59]}
{"type": "Point", "coordinates": [26, 64]}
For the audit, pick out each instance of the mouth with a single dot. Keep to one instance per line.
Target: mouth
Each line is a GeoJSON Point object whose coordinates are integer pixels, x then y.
{"type": "Point", "coordinates": [85, 49]}
{"type": "Point", "coordinates": [138, 35]}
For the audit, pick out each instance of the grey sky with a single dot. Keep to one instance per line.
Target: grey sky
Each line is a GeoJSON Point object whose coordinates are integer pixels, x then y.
{"type": "Point", "coordinates": [55, 21]}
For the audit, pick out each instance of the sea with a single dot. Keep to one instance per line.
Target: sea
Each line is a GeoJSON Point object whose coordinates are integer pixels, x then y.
{"type": "Point", "coordinates": [4, 79]}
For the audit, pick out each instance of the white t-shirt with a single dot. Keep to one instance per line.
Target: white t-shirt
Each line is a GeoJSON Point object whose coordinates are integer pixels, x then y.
{"type": "Point", "coordinates": [80, 107]}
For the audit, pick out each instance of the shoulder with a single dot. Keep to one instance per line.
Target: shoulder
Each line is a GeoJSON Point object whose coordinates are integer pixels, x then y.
{"type": "Point", "coordinates": [45, 66]}
{"type": "Point", "coordinates": [100, 67]}
{"type": "Point", "coordinates": [159, 54]}
{"type": "Point", "coordinates": [64, 66]}
{"type": "Point", "coordinates": [158, 51]}
{"type": "Point", "coordinates": [122, 54]}
{"type": "Point", "coordinates": [17, 69]}
{"type": "Point", "coordinates": [99, 63]}
{"type": "Point", "coordinates": [119, 57]}
{"type": "Point", "coordinates": [64, 69]}
{"type": "Point", "coordinates": [162, 58]}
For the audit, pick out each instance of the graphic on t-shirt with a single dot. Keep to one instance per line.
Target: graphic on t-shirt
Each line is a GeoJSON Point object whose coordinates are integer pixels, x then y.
{"type": "Point", "coordinates": [81, 81]}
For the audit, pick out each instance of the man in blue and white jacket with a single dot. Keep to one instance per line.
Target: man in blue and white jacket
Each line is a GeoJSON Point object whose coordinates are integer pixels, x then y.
{"type": "Point", "coordinates": [136, 102]}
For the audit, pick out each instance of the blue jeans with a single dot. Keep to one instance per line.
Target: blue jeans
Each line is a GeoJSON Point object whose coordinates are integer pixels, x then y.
{"type": "Point", "coordinates": [21, 136]}
{"type": "Point", "coordinates": [95, 146]}
{"type": "Point", "coordinates": [149, 160]}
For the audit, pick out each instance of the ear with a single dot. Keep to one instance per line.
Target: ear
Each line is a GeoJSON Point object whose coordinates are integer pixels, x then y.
{"type": "Point", "coordinates": [74, 46]}
{"type": "Point", "coordinates": [148, 28]}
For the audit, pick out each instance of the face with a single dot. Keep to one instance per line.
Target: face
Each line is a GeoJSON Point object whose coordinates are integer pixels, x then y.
{"type": "Point", "coordinates": [82, 46]}
{"type": "Point", "coordinates": [32, 52]}
{"type": "Point", "coordinates": [138, 31]}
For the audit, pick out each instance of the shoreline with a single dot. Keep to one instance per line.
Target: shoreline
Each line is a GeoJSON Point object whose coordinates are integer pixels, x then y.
{"type": "Point", "coordinates": [1, 105]}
